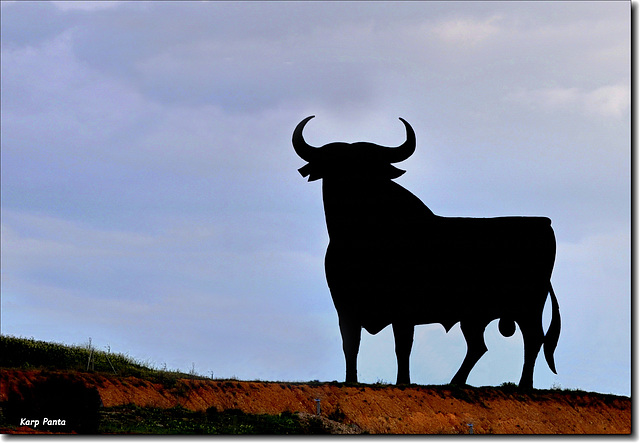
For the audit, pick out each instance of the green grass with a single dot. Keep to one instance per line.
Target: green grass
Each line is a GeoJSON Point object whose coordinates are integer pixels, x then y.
{"type": "Point", "coordinates": [28, 353]}
{"type": "Point", "coordinates": [55, 358]}
{"type": "Point", "coordinates": [130, 419]}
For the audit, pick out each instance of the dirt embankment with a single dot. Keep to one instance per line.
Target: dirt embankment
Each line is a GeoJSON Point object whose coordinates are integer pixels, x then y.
{"type": "Point", "coordinates": [377, 410]}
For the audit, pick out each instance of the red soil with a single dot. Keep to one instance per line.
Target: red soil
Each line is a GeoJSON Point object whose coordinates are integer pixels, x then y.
{"type": "Point", "coordinates": [377, 410]}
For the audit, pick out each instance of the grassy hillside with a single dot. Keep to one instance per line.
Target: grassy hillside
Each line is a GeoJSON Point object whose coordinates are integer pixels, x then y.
{"type": "Point", "coordinates": [28, 353]}
{"type": "Point", "coordinates": [31, 354]}
{"type": "Point", "coordinates": [100, 392]}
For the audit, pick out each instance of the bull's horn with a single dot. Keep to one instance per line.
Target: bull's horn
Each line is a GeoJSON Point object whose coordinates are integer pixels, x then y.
{"type": "Point", "coordinates": [302, 148]}
{"type": "Point", "coordinates": [404, 151]}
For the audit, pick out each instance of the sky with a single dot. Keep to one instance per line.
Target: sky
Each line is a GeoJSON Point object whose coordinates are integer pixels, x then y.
{"type": "Point", "coordinates": [150, 198]}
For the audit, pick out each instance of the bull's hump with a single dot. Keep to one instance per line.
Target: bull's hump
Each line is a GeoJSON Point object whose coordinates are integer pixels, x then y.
{"type": "Point", "coordinates": [508, 220]}
{"type": "Point", "coordinates": [524, 219]}
{"type": "Point", "coordinates": [538, 221]}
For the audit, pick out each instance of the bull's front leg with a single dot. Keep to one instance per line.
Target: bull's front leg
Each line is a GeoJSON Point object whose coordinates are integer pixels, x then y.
{"type": "Point", "coordinates": [403, 335]}
{"type": "Point", "coordinates": [351, 332]}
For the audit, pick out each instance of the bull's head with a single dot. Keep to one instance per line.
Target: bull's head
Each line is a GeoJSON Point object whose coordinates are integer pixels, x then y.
{"type": "Point", "coordinates": [354, 159]}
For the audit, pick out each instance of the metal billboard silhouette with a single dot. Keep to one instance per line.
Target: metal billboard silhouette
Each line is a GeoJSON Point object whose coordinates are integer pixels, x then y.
{"type": "Point", "coordinates": [392, 261]}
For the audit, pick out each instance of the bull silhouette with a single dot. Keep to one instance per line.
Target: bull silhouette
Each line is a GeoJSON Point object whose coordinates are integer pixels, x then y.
{"type": "Point", "coordinates": [392, 261]}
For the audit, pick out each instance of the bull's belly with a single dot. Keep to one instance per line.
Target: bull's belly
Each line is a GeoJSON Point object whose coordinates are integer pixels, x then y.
{"type": "Point", "coordinates": [378, 304]}
{"type": "Point", "coordinates": [378, 301]}
{"type": "Point", "coordinates": [373, 319]}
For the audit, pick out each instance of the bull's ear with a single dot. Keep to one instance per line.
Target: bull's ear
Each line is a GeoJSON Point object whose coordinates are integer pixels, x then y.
{"type": "Point", "coordinates": [311, 170]}
{"type": "Point", "coordinates": [305, 170]}
{"type": "Point", "coordinates": [392, 172]}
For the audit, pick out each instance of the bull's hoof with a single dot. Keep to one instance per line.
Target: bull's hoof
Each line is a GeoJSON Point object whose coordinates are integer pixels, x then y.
{"type": "Point", "coordinates": [458, 381]}
{"type": "Point", "coordinates": [525, 386]}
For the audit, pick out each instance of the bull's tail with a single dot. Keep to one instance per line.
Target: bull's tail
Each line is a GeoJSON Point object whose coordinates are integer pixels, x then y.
{"type": "Point", "coordinates": [552, 335]}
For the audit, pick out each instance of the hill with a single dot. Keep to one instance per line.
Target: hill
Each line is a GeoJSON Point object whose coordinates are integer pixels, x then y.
{"type": "Point", "coordinates": [185, 403]}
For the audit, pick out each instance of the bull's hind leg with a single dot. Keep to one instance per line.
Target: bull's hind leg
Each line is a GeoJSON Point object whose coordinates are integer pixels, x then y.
{"type": "Point", "coordinates": [351, 332]}
{"type": "Point", "coordinates": [533, 336]}
{"type": "Point", "coordinates": [403, 335]}
{"type": "Point", "coordinates": [474, 335]}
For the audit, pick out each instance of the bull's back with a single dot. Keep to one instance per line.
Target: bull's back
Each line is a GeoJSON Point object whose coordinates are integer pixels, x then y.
{"type": "Point", "coordinates": [504, 255]}
{"type": "Point", "coordinates": [496, 235]}
{"type": "Point", "coordinates": [443, 250]}
{"type": "Point", "coordinates": [487, 242]}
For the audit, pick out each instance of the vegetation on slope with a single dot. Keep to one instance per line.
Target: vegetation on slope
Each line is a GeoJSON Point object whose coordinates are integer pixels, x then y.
{"type": "Point", "coordinates": [131, 419]}
{"type": "Point", "coordinates": [43, 379]}
{"type": "Point", "coordinates": [28, 353]}
{"type": "Point", "coordinates": [58, 395]}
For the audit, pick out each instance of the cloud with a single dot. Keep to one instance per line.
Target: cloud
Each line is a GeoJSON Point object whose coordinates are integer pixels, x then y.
{"type": "Point", "coordinates": [612, 100]}
{"type": "Point", "coordinates": [192, 62]}
{"type": "Point", "coordinates": [605, 101]}
{"type": "Point", "coordinates": [30, 25]}
{"type": "Point", "coordinates": [107, 280]}
{"type": "Point", "coordinates": [467, 32]}
{"type": "Point", "coordinates": [90, 6]}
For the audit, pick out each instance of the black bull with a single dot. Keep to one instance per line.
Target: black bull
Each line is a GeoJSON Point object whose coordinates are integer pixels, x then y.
{"type": "Point", "coordinates": [390, 260]}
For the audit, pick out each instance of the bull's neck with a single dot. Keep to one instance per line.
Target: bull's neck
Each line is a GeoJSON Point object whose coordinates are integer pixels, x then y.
{"type": "Point", "coordinates": [357, 207]}
{"type": "Point", "coordinates": [349, 205]}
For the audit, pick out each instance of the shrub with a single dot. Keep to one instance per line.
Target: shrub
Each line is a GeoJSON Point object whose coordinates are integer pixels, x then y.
{"type": "Point", "coordinates": [337, 414]}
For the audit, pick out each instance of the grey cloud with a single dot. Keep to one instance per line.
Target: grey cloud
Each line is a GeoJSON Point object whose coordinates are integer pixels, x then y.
{"type": "Point", "coordinates": [30, 25]}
